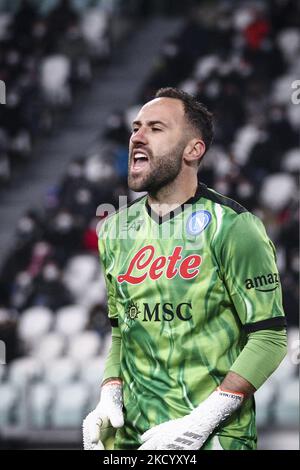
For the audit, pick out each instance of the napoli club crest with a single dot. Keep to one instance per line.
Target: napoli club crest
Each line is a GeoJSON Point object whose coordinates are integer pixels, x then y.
{"type": "Point", "coordinates": [197, 222]}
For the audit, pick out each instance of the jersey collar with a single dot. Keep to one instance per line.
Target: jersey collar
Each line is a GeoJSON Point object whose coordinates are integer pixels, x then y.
{"type": "Point", "coordinates": [178, 210]}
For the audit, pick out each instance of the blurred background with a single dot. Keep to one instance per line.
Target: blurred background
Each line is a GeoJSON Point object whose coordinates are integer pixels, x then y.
{"type": "Point", "coordinates": [75, 72]}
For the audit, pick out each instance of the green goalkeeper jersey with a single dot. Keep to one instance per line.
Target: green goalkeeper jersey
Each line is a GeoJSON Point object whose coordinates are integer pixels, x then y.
{"type": "Point", "coordinates": [185, 290]}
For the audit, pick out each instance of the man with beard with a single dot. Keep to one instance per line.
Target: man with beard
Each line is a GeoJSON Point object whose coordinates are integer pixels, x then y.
{"type": "Point", "coordinates": [194, 297]}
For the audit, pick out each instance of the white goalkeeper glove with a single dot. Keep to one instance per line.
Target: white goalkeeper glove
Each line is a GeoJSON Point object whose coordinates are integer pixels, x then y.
{"type": "Point", "coordinates": [107, 413]}
{"type": "Point", "coordinates": [191, 431]}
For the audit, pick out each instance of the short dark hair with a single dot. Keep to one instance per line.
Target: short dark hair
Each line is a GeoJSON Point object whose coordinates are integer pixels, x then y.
{"type": "Point", "coordinates": [197, 114]}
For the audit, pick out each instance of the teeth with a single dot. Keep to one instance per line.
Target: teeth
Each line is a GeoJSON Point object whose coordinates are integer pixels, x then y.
{"type": "Point", "coordinates": [138, 156]}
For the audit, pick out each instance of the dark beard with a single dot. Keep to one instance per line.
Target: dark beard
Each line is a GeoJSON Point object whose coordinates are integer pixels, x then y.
{"type": "Point", "coordinates": [167, 168]}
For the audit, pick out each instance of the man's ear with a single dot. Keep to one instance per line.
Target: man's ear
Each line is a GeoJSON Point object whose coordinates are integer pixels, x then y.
{"type": "Point", "coordinates": [194, 151]}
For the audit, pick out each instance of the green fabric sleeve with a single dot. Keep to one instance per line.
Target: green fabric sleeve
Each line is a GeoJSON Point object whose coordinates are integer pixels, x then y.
{"type": "Point", "coordinates": [261, 355]}
{"type": "Point", "coordinates": [112, 364]}
{"type": "Point", "coordinates": [103, 246]}
{"type": "Point", "coordinates": [248, 266]}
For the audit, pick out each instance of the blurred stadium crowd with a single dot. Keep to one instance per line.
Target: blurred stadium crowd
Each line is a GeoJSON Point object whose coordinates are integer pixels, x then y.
{"type": "Point", "coordinates": [46, 54]}
{"type": "Point", "coordinates": [239, 58]}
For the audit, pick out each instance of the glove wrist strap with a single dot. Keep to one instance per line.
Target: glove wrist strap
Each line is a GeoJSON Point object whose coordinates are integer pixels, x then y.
{"type": "Point", "coordinates": [217, 407]}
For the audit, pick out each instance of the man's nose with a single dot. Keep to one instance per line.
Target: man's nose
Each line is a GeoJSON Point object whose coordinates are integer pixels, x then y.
{"type": "Point", "coordinates": [139, 137]}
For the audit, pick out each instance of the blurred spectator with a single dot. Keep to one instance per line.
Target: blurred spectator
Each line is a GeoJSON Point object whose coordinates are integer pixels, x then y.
{"type": "Point", "coordinates": [21, 291]}
{"type": "Point", "coordinates": [4, 160]}
{"type": "Point", "coordinates": [61, 17]}
{"type": "Point", "coordinates": [40, 252]}
{"type": "Point", "coordinates": [98, 319]}
{"type": "Point", "coordinates": [45, 54]}
{"type": "Point", "coordinates": [65, 233]}
{"type": "Point", "coordinates": [49, 290]}
{"type": "Point", "coordinates": [24, 19]}
{"type": "Point", "coordinates": [116, 129]}
{"type": "Point", "coordinates": [8, 334]}
{"type": "Point", "coordinates": [90, 238]}
{"type": "Point", "coordinates": [28, 232]}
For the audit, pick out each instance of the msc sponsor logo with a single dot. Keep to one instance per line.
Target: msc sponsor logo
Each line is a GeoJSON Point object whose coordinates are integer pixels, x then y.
{"type": "Point", "coordinates": [145, 264]}
{"type": "Point", "coordinates": [166, 312]}
{"type": "Point", "coordinates": [263, 283]}
{"type": "Point", "coordinates": [132, 311]}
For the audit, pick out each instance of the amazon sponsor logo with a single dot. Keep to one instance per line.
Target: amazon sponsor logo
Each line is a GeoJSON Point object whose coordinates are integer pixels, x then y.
{"type": "Point", "coordinates": [263, 283]}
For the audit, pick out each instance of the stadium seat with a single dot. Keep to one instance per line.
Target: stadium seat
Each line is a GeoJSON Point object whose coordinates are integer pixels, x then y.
{"type": "Point", "coordinates": [205, 66]}
{"type": "Point", "coordinates": [277, 190]}
{"type": "Point", "coordinates": [293, 343]}
{"type": "Point", "coordinates": [79, 273]}
{"type": "Point", "coordinates": [71, 320]}
{"type": "Point", "coordinates": [50, 347]}
{"type": "Point", "coordinates": [245, 139]}
{"type": "Point", "coordinates": [291, 161]}
{"type": "Point", "coordinates": [97, 170]}
{"type": "Point", "coordinates": [285, 371]}
{"type": "Point", "coordinates": [130, 115]}
{"type": "Point", "coordinates": [94, 27]}
{"type": "Point", "coordinates": [289, 43]}
{"type": "Point", "coordinates": [287, 404]}
{"type": "Point", "coordinates": [294, 115]}
{"type": "Point", "coordinates": [5, 20]}
{"type": "Point", "coordinates": [288, 368]}
{"type": "Point", "coordinates": [24, 370]}
{"type": "Point", "coordinates": [3, 371]}
{"type": "Point", "coordinates": [95, 293]}
{"type": "Point", "coordinates": [34, 323]}
{"type": "Point", "coordinates": [242, 17]}
{"type": "Point", "coordinates": [70, 405]}
{"type": "Point", "coordinates": [55, 73]}
{"type": "Point", "coordinates": [106, 345]}
{"type": "Point", "coordinates": [8, 403]}
{"type": "Point", "coordinates": [92, 372]}
{"type": "Point", "coordinates": [281, 92]}
{"type": "Point", "coordinates": [61, 371]}
{"type": "Point", "coordinates": [264, 397]}
{"type": "Point", "coordinates": [84, 346]}
{"type": "Point", "coordinates": [41, 396]}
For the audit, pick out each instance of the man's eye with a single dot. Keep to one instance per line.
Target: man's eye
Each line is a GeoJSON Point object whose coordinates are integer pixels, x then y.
{"type": "Point", "coordinates": [156, 129]}
{"type": "Point", "coordinates": [135, 129]}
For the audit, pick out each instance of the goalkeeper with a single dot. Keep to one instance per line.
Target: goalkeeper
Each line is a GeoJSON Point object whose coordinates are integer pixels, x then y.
{"type": "Point", "coordinates": [194, 297]}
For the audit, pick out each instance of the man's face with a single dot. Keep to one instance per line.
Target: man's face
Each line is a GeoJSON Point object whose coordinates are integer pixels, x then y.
{"type": "Point", "coordinates": [156, 145]}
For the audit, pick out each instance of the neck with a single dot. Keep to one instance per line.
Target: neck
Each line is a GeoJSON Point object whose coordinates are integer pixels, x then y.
{"type": "Point", "coordinates": [173, 195]}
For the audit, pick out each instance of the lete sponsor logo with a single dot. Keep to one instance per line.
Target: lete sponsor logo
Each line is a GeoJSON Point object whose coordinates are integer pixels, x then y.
{"type": "Point", "coordinates": [145, 264]}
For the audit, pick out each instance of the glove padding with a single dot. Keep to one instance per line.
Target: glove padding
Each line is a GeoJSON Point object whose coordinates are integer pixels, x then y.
{"type": "Point", "coordinates": [191, 431]}
{"type": "Point", "coordinates": [107, 413]}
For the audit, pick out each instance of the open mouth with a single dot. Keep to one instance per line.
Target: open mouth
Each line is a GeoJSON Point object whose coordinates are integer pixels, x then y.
{"type": "Point", "coordinates": [139, 162]}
